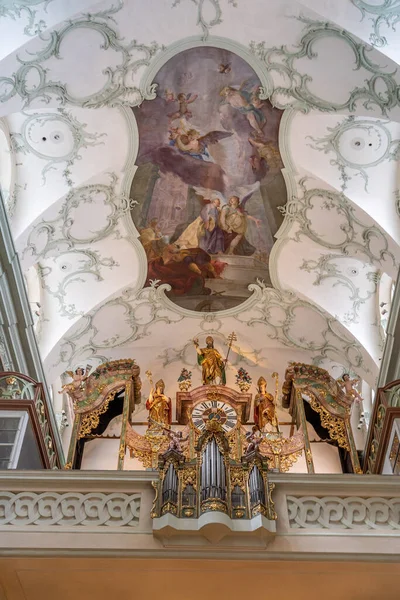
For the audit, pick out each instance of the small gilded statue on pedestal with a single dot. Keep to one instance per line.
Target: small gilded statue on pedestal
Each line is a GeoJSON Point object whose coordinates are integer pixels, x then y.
{"type": "Point", "coordinates": [264, 407]}
{"type": "Point", "coordinates": [211, 361]}
{"type": "Point", "coordinates": [158, 405]}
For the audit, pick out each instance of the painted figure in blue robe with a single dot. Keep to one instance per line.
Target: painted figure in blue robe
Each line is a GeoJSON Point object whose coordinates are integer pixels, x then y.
{"type": "Point", "coordinates": [246, 103]}
{"type": "Point", "coordinates": [212, 240]}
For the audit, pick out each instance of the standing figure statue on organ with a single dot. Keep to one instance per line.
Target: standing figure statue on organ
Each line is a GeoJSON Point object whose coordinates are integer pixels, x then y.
{"type": "Point", "coordinates": [159, 406]}
{"type": "Point", "coordinates": [264, 407]}
{"type": "Point", "coordinates": [211, 361]}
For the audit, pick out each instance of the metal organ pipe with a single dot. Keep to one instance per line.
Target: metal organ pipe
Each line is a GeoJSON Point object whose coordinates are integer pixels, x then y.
{"type": "Point", "coordinates": [214, 458]}
{"type": "Point", "coordinates": [218, 469]}
{"type": "Point", "coordinates": [213, 477]}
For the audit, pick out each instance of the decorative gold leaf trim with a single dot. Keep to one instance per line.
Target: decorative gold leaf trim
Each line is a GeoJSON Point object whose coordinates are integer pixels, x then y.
{"type": "Point", "coordinates": [335, 425]}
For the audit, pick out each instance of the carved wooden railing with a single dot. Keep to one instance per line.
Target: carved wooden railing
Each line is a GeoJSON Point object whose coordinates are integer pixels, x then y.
{"type": "Point", "coordinates": [386, 410]}
{"type": "Point", "coordinates": [22, 393]}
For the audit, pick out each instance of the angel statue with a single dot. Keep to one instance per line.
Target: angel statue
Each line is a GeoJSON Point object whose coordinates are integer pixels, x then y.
{"type": "Point", "coordinates": [211, 361]}
{"type": "Point", "coordinates": [264, 406]}
{"type": "Point", "coordinates": [234, 220]}
{"type": "Point", "coordinates": [76, 389]}
{"type": "Point", "coordinates": [347, 386]}
{"type": "Point", "coordinates": [254, 439]}
{"type": "Point", "coordinates": [158, 405]}
{"type": "Point", "coordinates": [196, 145]}
{"type": "Point", "coordinates": [176, 440]}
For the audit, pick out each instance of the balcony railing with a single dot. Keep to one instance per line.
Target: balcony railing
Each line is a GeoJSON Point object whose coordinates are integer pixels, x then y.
{"type": "Point", "coordinates": [318, 517]}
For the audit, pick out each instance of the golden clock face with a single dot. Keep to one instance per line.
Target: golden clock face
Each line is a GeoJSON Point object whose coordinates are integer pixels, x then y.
{"type": "Point", "coordinates": [209, 410]}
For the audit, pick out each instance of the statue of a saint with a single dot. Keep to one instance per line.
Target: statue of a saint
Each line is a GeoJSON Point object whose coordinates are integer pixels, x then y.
{"type": "Point", "coordinates": [211, 361]}
{"type": "Point", "coordinates": [159, 407]}
{"type": "Point", "coordinates": [264, 407]}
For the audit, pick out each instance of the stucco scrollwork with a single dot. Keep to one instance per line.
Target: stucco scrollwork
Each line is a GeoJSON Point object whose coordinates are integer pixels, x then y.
{"type": "Point", "coordinates": [118, 88]}
{"type": "Point", "coordinates": [83, 264]}
{"type": "Point", "coordinates": [15, 9]}
{"type": "Point", "coordinates": [387, 12]}
{"type": "Point", "coordinates": [142, 310]}
{"type": "Point", "coordinates": [52, 237]}
{"type": "Point", "coordinates": [325, 268]}
{"type": "Point", "coordinates": [352, 512]}
{"type": "Point", "coordinates": [380, 88]}
{"type": "Point", "coordinates": [202, 21]}
{"type": "Point", "coordinates": [69, 509]}
{"type": "Point", "coordinates": [279, 311]}
{"type": "Point", "coordinates": [62, 144]}
{"type": "Point", "coordinates": [351, 136]}
{"type": "Point", "coordinates": [357, 238]}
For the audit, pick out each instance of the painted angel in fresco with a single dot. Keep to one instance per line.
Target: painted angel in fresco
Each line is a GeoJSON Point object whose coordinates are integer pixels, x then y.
{"type": "Point", "coordinates": [76, 389]}
{"type": "Point", "coordinates": [195, 144]}
{"type": "Point", "coordinates": [169, 96]}
{"type": "Point", "coordinates": [183, 110]}
{"type": "Point", "coordinates": [241, 100]}
{"type": "Point", "coordinates": [234, 221]}
{"type": "Point", "coordinates": [347, 386]}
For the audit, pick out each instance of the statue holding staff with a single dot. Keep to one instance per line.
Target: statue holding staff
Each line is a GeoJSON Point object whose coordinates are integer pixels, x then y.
{"type": "Point", "coordinates": [264, 407]}
{"type": "Point", "coordinates": [158, 405]}
{"type": "Point", "coordinates": [211, 362]}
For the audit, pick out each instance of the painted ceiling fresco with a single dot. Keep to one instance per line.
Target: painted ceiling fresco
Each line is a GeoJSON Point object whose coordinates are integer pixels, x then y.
{"type": "Point", "coordinates": [209, 179]}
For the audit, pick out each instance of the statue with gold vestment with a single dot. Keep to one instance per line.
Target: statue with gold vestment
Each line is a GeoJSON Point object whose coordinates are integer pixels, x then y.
{"type": "Point", "coordinates": [264, 406]}
{"type": "Point", "coordinates": [159, 406]}
{"type": "Point", "coordinates": [211, 361]}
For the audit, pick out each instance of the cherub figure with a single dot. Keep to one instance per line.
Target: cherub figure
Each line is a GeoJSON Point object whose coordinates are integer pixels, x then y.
{"type": "Point", "coordinates": [76, 389]}
{"type": "Point", "coordinates": [254, 438]}
{"type": "Point", "coordinates": [347, 386]}
{"type": "Point", "coordinates": [183, 110]}
{"type": "Point", "coordinates": [169, 96]}
{"type": "Point", "coordinates": [176, 440]}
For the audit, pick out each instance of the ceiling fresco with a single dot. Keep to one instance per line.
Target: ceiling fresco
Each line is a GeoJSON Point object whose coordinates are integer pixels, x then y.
{"type": "Point", "coordinates": [177, 169]}
{"type": "Point", "coordinates": [209, 182]}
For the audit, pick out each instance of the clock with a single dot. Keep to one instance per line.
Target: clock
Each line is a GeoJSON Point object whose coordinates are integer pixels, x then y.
{"type": "Point", "coordinates": [209, 410]}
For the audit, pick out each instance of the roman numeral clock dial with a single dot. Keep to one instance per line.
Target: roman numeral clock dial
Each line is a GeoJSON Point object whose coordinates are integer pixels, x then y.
{"type": "Point", "coordinates": [207, 410]}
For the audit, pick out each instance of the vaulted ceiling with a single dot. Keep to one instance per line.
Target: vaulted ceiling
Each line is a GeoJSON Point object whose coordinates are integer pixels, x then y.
{"type": "Point", "coordinates": [70, 73]}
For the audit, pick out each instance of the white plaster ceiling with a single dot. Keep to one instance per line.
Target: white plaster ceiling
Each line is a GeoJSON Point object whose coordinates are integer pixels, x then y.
{"type": "Point", "coordinates": [70, 71]}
